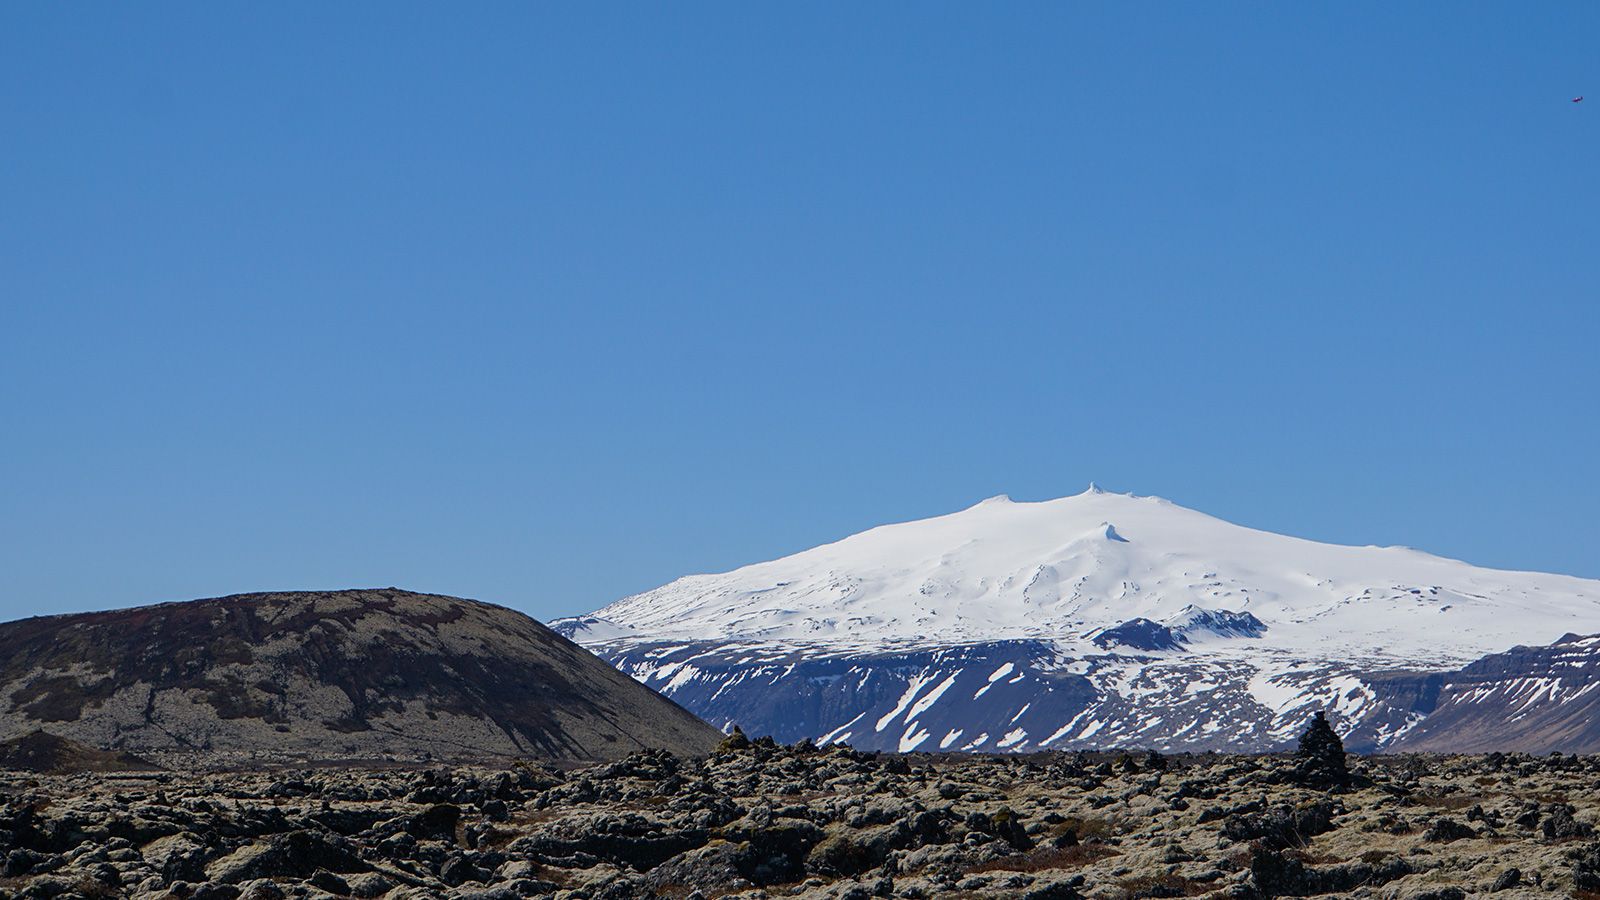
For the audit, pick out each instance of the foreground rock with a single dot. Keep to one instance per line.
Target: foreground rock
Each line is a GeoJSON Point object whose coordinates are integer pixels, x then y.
{"type": "Point", "coordinates": [342, 675]}
{"type": "Point", "coordinates": [756, 820]}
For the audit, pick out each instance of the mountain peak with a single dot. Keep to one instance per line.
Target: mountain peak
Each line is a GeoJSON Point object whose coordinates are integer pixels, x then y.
{"type": "Point", "coordinates": [1038, 625]}
{"type": "Point", "coordinates": [1059, 569]}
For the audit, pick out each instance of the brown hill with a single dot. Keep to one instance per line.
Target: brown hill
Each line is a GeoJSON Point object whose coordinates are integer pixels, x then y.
{"type": "Point", "coordinates": [50, 754]}
{"type": "Point", "coordinates": [356, 674]}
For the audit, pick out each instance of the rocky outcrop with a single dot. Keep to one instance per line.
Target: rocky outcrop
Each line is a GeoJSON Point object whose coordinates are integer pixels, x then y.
{"type": "Point", "coordinates": [360, 674]}
{"type": "Point", "coordinates": [1139, 634]}
{"type": "Point", "coordinates": [1320, 757]}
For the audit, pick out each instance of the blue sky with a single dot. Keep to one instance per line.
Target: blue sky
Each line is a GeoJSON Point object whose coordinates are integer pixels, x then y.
{"type": "Point", "coordinates": [547, 304]}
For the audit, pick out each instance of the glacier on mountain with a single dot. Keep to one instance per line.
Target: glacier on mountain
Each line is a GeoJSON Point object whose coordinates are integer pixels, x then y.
{"type": "Point", "coordinates": [1125, 620]}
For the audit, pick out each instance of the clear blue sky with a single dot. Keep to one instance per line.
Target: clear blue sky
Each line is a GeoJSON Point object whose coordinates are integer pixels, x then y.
{"type": "Point", "coordinates": [547, 304]}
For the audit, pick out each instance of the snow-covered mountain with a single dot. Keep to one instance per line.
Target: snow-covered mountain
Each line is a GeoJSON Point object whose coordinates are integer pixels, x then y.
{"type": "Point", "coordinates": [1092, 620]}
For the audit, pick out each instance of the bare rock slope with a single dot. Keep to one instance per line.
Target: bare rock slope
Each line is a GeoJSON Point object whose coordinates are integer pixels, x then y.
{"type": "Point", "coordinates": [340, 675]}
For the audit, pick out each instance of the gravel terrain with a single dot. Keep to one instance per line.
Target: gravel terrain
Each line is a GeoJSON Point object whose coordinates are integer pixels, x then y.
{"type": "Point", "coordinates": [756, 819]}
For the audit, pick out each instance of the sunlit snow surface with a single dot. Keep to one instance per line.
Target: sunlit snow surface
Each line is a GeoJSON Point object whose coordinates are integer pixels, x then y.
{"type": "Point", "coordinates": [1051, 576]}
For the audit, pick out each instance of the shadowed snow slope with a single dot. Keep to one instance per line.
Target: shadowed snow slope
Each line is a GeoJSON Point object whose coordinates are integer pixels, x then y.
{"type": "Point", "coordinates": [1154, 624]}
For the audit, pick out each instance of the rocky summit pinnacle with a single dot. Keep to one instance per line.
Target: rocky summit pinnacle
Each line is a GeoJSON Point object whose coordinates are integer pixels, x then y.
{"type": "Point", "coordinates": [338, 675]}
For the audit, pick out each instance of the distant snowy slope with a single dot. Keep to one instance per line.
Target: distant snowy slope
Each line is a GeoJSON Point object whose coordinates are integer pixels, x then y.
{"type": "Point", "coordinates": [1063, 568]}
{"type": "Point", "coordinates": [1119, 619]}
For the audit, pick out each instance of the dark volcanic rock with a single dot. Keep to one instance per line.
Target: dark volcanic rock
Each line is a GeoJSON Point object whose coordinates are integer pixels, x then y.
{"type": "Point", "coordinates": [1586, 869]}
{"type": "Point", "coordinates": [1278, 875]}
{"type": "Point", "coordinates": [1507, 880]}
{"type": "Point", "coordinates": [652, 826]}
{"type": "Point", "coordinates": [1139, 634]}
{"type": "Point", "coordinates": [1282, 826]}
{"type": "Point", "coordinates": [331, 675]}
{"type": "Point", "coordinates": [296, 854]}
{"type": "Point", "coordinates": [1444, 831]}
{"type": "Point", "coordinates": [1320, 759]}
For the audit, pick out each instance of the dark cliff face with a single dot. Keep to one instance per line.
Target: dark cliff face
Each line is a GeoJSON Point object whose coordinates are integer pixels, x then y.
{"type": "Point", "coordinates": [1533, 699]}
{"type": "Point", "coordinates": [1139, 634]}
{"type": "Point", "coordinates": [341, 674]}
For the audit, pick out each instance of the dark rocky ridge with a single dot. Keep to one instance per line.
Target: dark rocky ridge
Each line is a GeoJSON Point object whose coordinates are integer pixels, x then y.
{"type": "Point", "coordinates": [358, 674]}
{"type": "Point", "coordinates": [1533, 699]}
{"type": "Point", "coordinates": [993, 689]}
{"type": "Point", "coordinates": [1143, 634]}
{"type": "Point", "coordinates": [1139, 634]}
